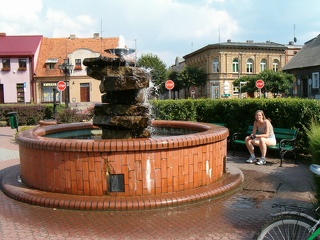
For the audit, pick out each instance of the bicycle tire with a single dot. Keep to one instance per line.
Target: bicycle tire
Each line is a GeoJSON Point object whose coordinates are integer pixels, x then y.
{"type": "Point", "coordinates": [285, 227]}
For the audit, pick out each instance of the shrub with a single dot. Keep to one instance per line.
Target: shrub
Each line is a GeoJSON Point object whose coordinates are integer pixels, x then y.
{"type": "Point", "coordinates": [72, 115]}
{"type": "Point", "coordinates": [237, 114]}
{"type": "Point", "coordinates": [314, 143]}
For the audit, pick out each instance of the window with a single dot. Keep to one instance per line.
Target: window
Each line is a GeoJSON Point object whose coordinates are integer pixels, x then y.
{"type": "Point", "coordinates": [22, 64]}
{"type": "Point", "coordinates": [315, 80]}
{"type": "Point", "coordinates": [77, 65]}
{"type": "Point", "coordinates": [235, 90]}
{"type": "Point", "coordinates": [249, 65]}
{"type": "Point", "coordinates": [235, 65]}
{"type": "Point", "coordinates": [20, 92]}
{"type": "Point", "coordinates": [5, 64]}
{"type": "Point", "coordinates": [263, 65]}
{"type": "Point", "coordinates": [47, 92]}
{"type": "Point", "coordinates": [215, 65]}
{"type": "Point", "coordinates": [51, 62]}
{"type": "Point", "coordinates": [275, 65]}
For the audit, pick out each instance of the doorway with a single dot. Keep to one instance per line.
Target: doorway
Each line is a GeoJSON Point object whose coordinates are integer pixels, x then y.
{"type": "Point", "coordinates": [215, 92]}
{"type": "Point", "coordinates": [1, 94]}
{"type": "Point", "coordinates": [84, 92]}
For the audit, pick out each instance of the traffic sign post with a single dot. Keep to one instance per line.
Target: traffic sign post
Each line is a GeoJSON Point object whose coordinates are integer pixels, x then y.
{"type": "Point", "coordinates": [169, 85]}
{"type": "Point", "coordinates": [260, 84]}
{"type": "Point", "coordinates": [61, 86]}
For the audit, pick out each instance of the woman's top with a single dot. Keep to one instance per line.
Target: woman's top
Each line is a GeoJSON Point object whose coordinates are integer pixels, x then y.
{"type": "Point", "coordinates": [263, 129]}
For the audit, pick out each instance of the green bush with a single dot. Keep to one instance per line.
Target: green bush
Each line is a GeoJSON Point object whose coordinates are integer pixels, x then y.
{"type": "Point", "coordinates": [237, 114]}
{"type": "Point", "coordinates": [314, 142]}
{"type": "Point", "coordinates": [72, 115]}
{"type": "Point", "coordinates": [26, 114]}
{"type": "Point", "coordinates": [31, 114]}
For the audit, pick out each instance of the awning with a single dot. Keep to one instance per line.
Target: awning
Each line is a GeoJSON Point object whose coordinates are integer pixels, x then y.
{"type": "Point", "coordinates": [52, 60]}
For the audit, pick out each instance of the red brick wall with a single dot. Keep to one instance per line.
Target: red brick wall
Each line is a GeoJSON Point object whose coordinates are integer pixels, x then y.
{"type": "Point", "coordinates": [150, 166]}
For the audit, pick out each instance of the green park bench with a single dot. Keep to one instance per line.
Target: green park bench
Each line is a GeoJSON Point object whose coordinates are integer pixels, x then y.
{"type": "Point", "coordinates": [286, 141]}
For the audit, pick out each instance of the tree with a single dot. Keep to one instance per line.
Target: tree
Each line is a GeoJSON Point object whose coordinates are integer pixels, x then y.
{"type": "Point", "coordinates": [192, 76]}
{"type": "Point", "coordinates": [157, 68]}
{"type": "Point", "coordinates": [274, 82]}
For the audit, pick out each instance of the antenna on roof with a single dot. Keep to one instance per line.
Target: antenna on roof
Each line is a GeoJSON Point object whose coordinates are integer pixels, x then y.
{"type": "Point", "coordinates": [101, 50]}
{"type": "Point", "coordinates": [294, 33]}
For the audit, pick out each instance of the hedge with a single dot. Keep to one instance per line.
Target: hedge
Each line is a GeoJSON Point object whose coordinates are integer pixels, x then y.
{"type": "Point", "coordinates": [237, 114]}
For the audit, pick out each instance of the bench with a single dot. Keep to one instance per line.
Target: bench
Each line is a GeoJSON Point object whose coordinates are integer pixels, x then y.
{"type": "Point", "coordinates": [286, 141]}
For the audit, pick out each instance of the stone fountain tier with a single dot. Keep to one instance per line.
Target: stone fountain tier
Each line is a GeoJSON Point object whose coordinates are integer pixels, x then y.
{"type": "Point", "coordinates": [123, 112]}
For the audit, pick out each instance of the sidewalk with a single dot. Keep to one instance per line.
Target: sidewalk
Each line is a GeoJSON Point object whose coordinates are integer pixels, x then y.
{"type": "Point", "coordinates": [235, 216]}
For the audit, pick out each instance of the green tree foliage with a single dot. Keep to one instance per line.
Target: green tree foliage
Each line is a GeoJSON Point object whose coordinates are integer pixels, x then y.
{"type": "Point", "coordinates": [191, 76]}
{"type": "Point", "coordinates": [274, 82]}
{"type": "Point", "coordinates": [157, 68]}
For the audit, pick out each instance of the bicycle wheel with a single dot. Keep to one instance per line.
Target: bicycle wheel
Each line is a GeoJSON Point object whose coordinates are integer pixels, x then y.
{"type": "Point", "coordinates": [285, 227]}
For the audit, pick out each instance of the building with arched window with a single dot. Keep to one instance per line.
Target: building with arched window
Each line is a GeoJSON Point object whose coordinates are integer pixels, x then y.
{"type": "Point", "coordinates": [228, 61]}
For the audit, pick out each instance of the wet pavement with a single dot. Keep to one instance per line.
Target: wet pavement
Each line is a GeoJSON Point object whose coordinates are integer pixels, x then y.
{"type": "Point", "coordinates": [235, 216]}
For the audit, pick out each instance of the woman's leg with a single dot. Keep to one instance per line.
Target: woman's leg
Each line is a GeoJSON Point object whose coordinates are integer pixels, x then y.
{"type": "Point", "coordinates": [263, 144]}
{"type": "Point", "coordinates": [263, 147]}
{"type": "Point", "coordinates": [249, 145]}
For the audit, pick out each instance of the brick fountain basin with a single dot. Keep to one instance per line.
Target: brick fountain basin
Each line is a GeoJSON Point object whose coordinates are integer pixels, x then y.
{"type": "Point", "coordinates": [121, 174]}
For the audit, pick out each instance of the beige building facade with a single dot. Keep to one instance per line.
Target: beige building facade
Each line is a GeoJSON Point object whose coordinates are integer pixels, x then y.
{"type": "Point", "coordinates": [228, 61]}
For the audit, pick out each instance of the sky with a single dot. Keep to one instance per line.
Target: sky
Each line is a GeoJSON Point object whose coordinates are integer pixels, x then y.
{"type": "Point", "coordinates": [165, 28]}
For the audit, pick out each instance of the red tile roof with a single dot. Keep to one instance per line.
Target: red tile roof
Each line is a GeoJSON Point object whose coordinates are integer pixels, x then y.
{"type": "Point", "coordinates": [19, 45]}
{"type": "Point", "coordinates": [60, 48]}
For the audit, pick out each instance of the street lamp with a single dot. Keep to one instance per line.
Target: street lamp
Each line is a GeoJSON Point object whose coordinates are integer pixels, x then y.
{"type": "Point", "coordinates": [67, 69]}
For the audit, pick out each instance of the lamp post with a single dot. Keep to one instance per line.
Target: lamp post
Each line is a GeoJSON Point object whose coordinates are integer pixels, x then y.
{"type": "Point", "coordinates": [55, 103]}
{"type": "Point", "coordinates": [67, 69]}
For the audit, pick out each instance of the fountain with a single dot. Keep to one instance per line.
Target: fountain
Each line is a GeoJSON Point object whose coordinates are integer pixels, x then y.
{"type": "Point", "coordinates": [125, 169]}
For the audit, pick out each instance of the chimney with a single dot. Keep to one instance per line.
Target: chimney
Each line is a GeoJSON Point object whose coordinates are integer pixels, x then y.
{"type": "Point", "coordinates": [229, 40]}
{"type": "Point", "coordinates": [96, 35]}
{"type": "Point", "coordinates": [249, 41]}
{"type": "Point", "coordinates": [72, 36]}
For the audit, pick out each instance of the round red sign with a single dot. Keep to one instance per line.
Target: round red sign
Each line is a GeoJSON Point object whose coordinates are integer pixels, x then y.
{"type": "Point", "coordinates": [259, 83]}
{"type": "Point", "coordinates": [61, 85]}
{"type": "Point", "coordinates": [169, 84]}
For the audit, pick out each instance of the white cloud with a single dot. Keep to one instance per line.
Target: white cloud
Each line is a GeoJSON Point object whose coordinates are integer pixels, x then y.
{"type": "Point", "coordinates": [21, 11]}
{"type": "Point", "coordinates": [20, 17]}
{"type": "Point", "coordinates": [63, 24]}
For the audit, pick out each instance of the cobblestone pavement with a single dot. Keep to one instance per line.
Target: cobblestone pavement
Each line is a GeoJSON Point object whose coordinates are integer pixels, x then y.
{"type": "Point", "coordinates": [235, 216]}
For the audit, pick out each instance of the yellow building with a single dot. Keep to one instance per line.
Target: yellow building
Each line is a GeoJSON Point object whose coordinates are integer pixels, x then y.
{"type": "Point", "coordinates": [228, 61]}
{"type": "Point", "coordinates": [53, 53]}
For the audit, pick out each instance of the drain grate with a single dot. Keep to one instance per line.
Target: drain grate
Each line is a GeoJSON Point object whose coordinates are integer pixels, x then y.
{"type": "Point", "coordinates": [263, 187]}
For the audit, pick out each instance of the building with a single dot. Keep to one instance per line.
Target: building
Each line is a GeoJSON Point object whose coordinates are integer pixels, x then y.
{"type": "Point", "coordinates": [228, 61]}
{"type": "Point", "coordinates": [306, 67]}
{"type": "Point", "coordinates": [18, 58]}
{"type": "Point", "coordinates": [53, 52]}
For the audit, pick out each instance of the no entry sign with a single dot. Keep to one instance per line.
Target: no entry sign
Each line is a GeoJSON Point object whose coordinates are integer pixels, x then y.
{"type": "Point", "coordinates": [61, 85]}
{"type": "Point", "coordinates": [259, 83]}
{"type": "Point", "coordinates": [169, 84]}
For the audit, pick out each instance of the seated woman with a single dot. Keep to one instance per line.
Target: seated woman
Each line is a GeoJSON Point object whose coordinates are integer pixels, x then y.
{"type": "Point", "coordinates": [262, 135]}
